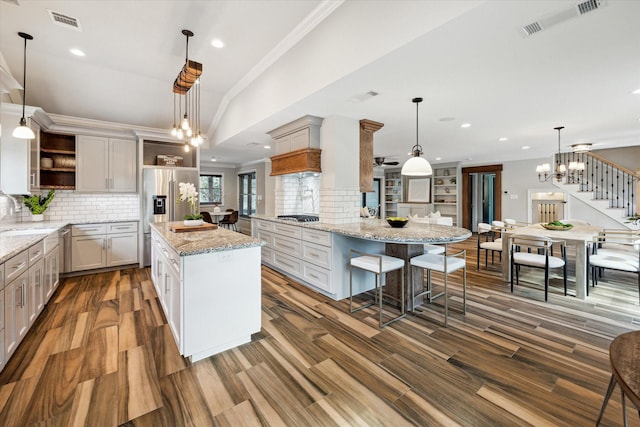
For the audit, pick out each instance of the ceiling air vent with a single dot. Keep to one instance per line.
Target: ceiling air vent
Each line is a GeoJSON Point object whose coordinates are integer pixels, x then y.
{"type": "Point", "coordinates": [532, 28]}
{"type": "Point", "coordinates": [64, 20]}
{"type": "Point", "coordinates": [588, 6]}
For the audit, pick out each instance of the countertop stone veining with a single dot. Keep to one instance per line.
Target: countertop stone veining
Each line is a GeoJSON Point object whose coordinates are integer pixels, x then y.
{"type": "Point", "coordinates": [379, 230]}
{"type": "Point", "coordinates": [201, 242]}
{"type": "Point", "coordinates": [11, 244]}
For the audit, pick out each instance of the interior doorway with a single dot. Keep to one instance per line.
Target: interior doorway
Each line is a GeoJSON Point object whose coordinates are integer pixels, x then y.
{"type": "Point", "coordinates": [481, 195]}
{"type": "Point", "coordinates": [371, 200]}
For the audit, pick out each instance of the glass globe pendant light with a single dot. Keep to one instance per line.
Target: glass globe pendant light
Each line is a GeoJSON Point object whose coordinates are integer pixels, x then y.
{"type": "Point", "coordinates": [23, 131]}
{"type": "Point", "coordinates": [416, 165]}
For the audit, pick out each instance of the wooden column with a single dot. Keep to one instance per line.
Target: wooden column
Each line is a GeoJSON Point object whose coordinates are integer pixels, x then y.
{"type": "Point", "coordinates": [405, 252]}
{"type": "Point", "coordinates": [367, 128]}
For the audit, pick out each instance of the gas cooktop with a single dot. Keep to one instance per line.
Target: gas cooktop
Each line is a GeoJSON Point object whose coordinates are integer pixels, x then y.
{"type": "Point", "coordinates": [299, 218]}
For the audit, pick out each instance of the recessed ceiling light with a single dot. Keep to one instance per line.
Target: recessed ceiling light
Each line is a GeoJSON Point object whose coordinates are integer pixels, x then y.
{"type": "Point", "coordinates": [438, 158]}
{"type": "Point", "coordinates": [447, 119]}
{"type": "Point", "coordinates": [525, 147]}
{"type": "Point", "coordinates": [465, 125]}
{"type": "Point", "coordinates": [266, 147]}
{"type": "Point", "coordinates": [503, 139]}
{"type": "Point", "coordinates": [636, 92]}
{"type": "Point", "coordinates": [213, 159]}
{"type": "Point", "coordinates": [77, 52]}
{"type": "Point", "coordinates": [217, 43]}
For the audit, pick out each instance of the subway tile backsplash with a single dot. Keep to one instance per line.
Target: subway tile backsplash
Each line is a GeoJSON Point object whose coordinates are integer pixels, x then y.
{"type": "Point", "coordinates": [83, 207]}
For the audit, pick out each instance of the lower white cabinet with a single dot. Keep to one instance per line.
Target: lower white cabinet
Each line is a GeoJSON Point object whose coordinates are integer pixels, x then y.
{"type": "Point", "coordinates": [3, 358]}
{"type": "Point", "coordinates": [51, 272]}
{"type": "Point", "coordinates": [16, 312]}
{"type": "Point", "coordinates": [35, 292]}
{"type": "Point", "coordinates": [103, 245]}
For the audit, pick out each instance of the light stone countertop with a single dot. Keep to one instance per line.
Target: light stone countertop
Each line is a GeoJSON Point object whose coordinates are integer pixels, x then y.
{"type": "Point", "coordinates": [201, 242]}
{"type": "Point", "coordinates": [379, 230]}
{"type": "Point", "coordinates": [12, 244]}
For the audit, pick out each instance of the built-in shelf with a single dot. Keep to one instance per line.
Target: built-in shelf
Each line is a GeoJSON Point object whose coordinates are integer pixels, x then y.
{"type": "Point", "coordinates": [392, 193]}
{"type": "Point", "coordinates": [445, 191]}
{"type": "Point", "coordinates": [61, 149]}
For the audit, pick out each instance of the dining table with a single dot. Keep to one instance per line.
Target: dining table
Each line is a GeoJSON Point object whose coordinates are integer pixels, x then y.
{"type": "Point", "coordinates": [579, 236]}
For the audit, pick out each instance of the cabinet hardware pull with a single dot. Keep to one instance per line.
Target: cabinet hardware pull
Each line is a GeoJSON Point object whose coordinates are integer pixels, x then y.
{"type": "Point", "coordinates": [19, 266]}
{"type": "Point", "coordinates": [166, 283]}
{"type": "Point", "coordinates": [313, 275]}
{"type": "Point", "coordinates": [313, 254]}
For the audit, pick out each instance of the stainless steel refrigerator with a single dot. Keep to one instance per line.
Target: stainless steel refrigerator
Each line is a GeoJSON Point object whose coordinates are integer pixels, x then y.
{"type": "Point", "coordinates": [160, 192]}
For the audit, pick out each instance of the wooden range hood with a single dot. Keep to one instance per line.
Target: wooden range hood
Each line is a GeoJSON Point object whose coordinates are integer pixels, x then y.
{"type": "Point", "coordinates": [303, 160]}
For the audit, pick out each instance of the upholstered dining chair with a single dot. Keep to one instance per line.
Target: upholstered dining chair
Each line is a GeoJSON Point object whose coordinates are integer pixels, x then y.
{"type": "Point", "coordinates": [487, 243]}
{"type": "Point", "coordinates": [615, 250]}
{"type": "Point", "coordinates": [206, 216]}
{"type": "Point", "coordinates": [229, 221]}
{"type": "Point", "coordinates": [538, 257]}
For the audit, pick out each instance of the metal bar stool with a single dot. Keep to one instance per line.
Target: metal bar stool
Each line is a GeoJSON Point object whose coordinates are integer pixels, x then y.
{"type": "Point", "coordinates": [377, 264]}
{"type": "Point", "coordinates": [445, 264]}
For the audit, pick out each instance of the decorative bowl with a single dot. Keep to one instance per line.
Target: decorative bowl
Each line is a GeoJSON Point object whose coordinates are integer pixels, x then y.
{"type": "Point", "coordinates": [557, 227]}
{"type": "Point", "coordinates": [397, 222]}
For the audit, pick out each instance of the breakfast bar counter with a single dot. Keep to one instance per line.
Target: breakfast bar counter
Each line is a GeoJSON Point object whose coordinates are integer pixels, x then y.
{"type": "Point", "coordinates": [317, 253]}
{"type": "Point", "coordinates": [209, 286]}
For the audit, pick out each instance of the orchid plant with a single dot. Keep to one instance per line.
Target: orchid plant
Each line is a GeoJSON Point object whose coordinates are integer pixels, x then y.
{"type": "Point", "coordinates": [188, 193]}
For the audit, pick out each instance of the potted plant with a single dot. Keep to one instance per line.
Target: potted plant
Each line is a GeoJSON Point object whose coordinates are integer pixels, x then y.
{"type": "Point", "coordinates": [188, 193]}
{"type": "Point", "coordinates": [38, 203]}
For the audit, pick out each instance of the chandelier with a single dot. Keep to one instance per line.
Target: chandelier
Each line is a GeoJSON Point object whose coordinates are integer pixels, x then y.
{"type": "Point", "coordinates": [186, 91]}
{"type": "Point", "coordinates": [544, 170]}
{"type": "Point", "coordinates": [416, 165]}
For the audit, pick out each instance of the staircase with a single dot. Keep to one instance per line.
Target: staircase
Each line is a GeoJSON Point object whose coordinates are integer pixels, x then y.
{"type": "Point", "coordinates": [609, 188]}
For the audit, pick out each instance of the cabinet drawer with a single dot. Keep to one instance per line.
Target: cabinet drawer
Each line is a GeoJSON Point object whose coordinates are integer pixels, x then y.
{"type": "Point", "coordinates": [266, 236]}
{"type": "Point", "coordinates": [287, 230]}
{"type": "Point", "coordinates": [267, 255]}
{"type": "Point", "coordinates": [316, 236]}
{"type": "Point", "coordinates": [287, 263]}
{"type": "Point", "coordinates": [16, 266]}
{"type": "Point", "coordinates": [317, 276]}
{"type": "Point", "coordinates": [172, 257]}
{"type": "Point", "coordinates": [316, 254]}
{"type": "Point", "coordinates": [36, 252]}
{"type": "Point", "coordinates": [88, 229]}
{"type": "Point", "coordinates": [264, 225]}
{"type": "Point", "coordinates": [122, 227]}
{"type": "Point", "coordinates": [287, 245]}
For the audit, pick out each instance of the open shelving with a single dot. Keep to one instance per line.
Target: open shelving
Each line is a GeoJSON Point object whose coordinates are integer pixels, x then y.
{"type": "Point", "coordinates": [61, 149]}
{"type": "Point", "coordinates": [445, 191]}
{"type": "Point", "coordinates": [392, 193]}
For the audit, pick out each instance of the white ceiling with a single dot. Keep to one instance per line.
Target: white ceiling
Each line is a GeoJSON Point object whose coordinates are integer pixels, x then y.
{"type": "Point", "coordinates": [476, 67]}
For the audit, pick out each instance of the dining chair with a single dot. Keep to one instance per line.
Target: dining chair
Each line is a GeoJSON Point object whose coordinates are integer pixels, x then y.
{"type": "Point", "coordinates": [206, 216]}
{"type": "Point", "coordinates": [617, 250]}
{"type": "Point", "coordinates": [487, 243]}
{"type": "Point", "coordinates": [229, 221]}
{"type": "Point", "coordinates": [445, 264]}
{"type": "Point", "coordinates": [538, 257]}
{"type": "Point", "coordinates": [379, 265]}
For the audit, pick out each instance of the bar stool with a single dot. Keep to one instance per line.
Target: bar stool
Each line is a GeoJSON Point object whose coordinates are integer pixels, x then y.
{"type": "Point", "coordinates": [377, 264]}
{"type": "Point", "coordinates": [445, 264]}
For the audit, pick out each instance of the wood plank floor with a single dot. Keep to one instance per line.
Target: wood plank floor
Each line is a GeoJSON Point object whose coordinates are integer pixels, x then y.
{"type": "Point", "coordinates": [101, 354]}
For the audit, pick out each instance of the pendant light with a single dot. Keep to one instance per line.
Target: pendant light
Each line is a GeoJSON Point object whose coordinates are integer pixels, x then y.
{"type": "Point", "coordinates": [23, 131]}
{"type": "Point", "coordinates": [416, 165]}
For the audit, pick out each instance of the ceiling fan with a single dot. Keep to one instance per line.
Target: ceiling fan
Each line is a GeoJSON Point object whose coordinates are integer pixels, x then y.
{"type": "Point", "coordinates": [379, 161]}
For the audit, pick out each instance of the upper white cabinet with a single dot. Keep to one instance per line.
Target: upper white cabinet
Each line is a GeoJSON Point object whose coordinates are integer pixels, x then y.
{"type": "Point", "coordinates": [106, 165]}
{"type": "Point", "coordinates": [299, 134]}
{"type": "Point", "coordinates": [18, 175]}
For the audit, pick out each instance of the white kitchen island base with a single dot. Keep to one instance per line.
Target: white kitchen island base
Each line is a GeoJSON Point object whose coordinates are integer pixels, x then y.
{"type": "Point", "coordinates": [212, 299]}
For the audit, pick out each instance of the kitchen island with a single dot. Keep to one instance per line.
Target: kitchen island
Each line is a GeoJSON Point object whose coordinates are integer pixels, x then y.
{"type": "Point", "coordinates": [317, 254]}
{"type": "Point", "coordinates": [209, 286]}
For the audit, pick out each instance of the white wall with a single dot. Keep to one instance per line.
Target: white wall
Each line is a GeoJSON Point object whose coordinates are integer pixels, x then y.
{"type": "Point", "coordinates": [518, 177]}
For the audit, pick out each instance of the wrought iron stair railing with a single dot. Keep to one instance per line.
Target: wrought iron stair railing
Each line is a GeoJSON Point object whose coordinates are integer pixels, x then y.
{"type": "Point", "coordinates": [605, 179]}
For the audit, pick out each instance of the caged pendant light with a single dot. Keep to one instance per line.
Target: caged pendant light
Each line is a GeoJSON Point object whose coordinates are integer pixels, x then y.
{"type": "Point", "coordinates": [416, 165]}
{"type": "Point", "coordinates": [23, 131]}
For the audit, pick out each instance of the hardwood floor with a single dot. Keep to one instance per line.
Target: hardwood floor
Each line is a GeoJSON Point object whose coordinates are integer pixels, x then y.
{"type": "Point", "coordinates": [101, 354]}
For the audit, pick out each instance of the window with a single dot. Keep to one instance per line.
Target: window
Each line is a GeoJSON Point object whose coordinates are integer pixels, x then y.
{"type": "Point", "coordinates": [247, 186]}
{"type": "Point", "coordinates": [210, 189]}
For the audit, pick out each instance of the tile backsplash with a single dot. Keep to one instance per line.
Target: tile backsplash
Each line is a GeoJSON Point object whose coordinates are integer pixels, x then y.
{"type": "Point", "coordinates": [77, 207]}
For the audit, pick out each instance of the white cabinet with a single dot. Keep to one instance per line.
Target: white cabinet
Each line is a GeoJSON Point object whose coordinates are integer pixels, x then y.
{"type": "Point", "coordinates": [16, 314]}
{"type": "Point", "coordinates": [103, 245]}
{"type": "Point", "coordinates": [15, 154]}
{"type": "Point", "coordinates": [106, 164]}
{"type": "Point", "coordinates": [51, 272]}
{"type": "Point", "coordinates": [167, 264]}
{"type": "Point", "coordinates": [299, 134]}
{"type": "Point", "coordinates": [35, 291]}
{"type": "Point", "coordinates": [3, 357]}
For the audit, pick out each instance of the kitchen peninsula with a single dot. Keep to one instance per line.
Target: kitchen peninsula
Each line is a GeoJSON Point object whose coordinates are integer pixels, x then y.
{"type": "Point", "coordinates": [317, 253]}
{"type": "Point", "coordinates": [208, 284]}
